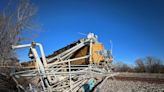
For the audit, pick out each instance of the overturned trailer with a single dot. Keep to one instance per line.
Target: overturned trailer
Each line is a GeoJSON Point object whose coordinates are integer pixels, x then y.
{"type": "Point", "coordinates": [79, 66]}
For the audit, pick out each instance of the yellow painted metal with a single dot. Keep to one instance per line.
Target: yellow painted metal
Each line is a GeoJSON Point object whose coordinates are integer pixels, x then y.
{"type": "Point", "coordinates": [95, 56]}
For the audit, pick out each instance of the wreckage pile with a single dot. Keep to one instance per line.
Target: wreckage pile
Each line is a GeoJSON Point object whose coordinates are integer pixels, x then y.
{"type": "Point", "coordinates": [70, 69]}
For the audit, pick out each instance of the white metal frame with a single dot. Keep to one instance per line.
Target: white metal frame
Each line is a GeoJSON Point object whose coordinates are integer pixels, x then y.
{"type": "Point", "coordinates": [54, 76]}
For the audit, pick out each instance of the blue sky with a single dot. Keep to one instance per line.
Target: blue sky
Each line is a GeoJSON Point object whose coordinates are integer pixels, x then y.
{"type": "Point", "coordinates": [136, 27]}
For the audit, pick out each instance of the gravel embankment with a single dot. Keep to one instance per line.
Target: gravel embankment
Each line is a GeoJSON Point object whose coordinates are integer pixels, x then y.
{"type": "Point", "coordinates": [131, 86]}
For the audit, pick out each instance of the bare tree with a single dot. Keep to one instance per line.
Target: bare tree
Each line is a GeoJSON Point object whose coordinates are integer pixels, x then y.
{"type": "Point", "coordinates": [153, 65]}
{"type": "Point", "coordinates": [140, 67]}
{"type": "Point", "coordinates": [14, 20]}
{"type": "Point", "coordinates": [150, 65]}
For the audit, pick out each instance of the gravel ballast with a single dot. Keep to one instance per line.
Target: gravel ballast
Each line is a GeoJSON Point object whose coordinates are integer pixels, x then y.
{"type": "Point", "coordinates": [131, 86]}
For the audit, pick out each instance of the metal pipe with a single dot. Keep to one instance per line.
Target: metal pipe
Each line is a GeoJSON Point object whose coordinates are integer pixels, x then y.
{"type": "Point", "coordinates": [90, 52]}
{"type": "Point", "coordinates": [70, 76]}
{"type": "Point", "coordinates": [30, 45]}
{"type": "Point", "coordinates": [67, 51]}
{"type": "Point", "coordinates": [21, 46]}
{"type": "Point", "coordinates": [55, 63]}
{"type": "Point", "coordinates": [90, 58]}
{"type": "Point", "coordinates": [38, 61]}
{"type": "Point", "coordinates": [72, 51]}
{"type": "Point", "coordinates": [42, 54]}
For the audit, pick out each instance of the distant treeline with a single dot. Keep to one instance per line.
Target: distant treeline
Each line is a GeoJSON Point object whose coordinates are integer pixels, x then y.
{"type": "Point", "coordinates": [142, 65]}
